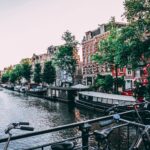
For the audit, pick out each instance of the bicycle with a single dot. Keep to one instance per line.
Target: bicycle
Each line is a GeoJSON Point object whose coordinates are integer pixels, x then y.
{"type": "Point", "coordinates": [67, 145]}
{"type": "Point", "coordinates": [137, 107]}
{"type": "Point", "coordinates": [102, 135]}
{"type": "Point", "coordinates": [24, 126]}
{"type": "Point", "coordinates": [20, 126]}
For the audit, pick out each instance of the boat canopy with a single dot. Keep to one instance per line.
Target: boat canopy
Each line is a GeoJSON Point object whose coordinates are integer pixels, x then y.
{"type": "Point", "coordinates": [108, 96]}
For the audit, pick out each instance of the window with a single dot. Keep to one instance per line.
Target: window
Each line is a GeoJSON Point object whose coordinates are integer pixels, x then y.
{"type": "Point", "coordinates": [82, 96]}
{"type": "Point", "coordinates": [99, 99]}
{"type": "Point", "coordinates": [104, 100]}
{"type": "Point", "coordinates": [115, 102]}
{"type": "Point", "coordinates": [95, 99]}
{"type": "Point", "coordinates": [89, 58]}
{"type": "Point", "coordinates": [110, 101]}
{"type": "Point", "coordinates": [129, 71]}
{"type": "Point", "coordinates": [127, 103]}
{"type": "Point", "coordinates": [121, 69]}
{"type": "Point", "coordinates": [121, 103]}
{"type": "Point", "coordinates": [86, 97]}
{"type": "Point", "coordinates": [137, 74]}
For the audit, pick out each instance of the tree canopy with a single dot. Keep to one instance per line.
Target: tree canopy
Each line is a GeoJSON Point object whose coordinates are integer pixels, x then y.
{"type": "Point", "coordinates": [105, 83]}
{"type": "Point", "coordinates": [5, 77]}
{"type": "Point", "coordinates": [37, 76]}
{"type": "Point", "coordinates": [135, 36]}
{"type": "Point", "coordinates": [26, 71]}
{"type": "Point", "coordinates": [49, 73]}
{"type": "Point", "coordinates": [64, 57]}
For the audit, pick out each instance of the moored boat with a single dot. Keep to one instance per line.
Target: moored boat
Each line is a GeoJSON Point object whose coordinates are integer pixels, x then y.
{"type": "Point", "coordinates": [103, 101]}
{"type": "Point", "coordinates": [39, 90]}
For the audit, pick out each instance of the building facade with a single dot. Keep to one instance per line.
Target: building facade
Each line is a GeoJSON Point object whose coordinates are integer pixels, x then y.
{"type": "Point", "coordinates": [90, 46]}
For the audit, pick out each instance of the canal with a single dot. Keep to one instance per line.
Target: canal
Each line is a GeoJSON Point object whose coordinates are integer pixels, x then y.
{"type": "Point", "coordinates": [42, 114]}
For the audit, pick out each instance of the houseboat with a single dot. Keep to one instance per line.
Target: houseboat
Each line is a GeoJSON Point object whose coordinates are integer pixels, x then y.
{"type": "Point", "coordinates": [103, 101]}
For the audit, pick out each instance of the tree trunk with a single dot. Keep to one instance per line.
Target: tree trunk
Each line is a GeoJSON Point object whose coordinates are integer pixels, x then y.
{"type": "Point", "coordinates": [116, 81]}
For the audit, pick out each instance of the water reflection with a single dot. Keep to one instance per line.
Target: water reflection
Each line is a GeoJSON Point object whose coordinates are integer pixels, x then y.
{"type": "Point", "coordinates": [42, 114]}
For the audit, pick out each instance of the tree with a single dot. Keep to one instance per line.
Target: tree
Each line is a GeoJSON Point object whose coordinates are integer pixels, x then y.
{"type": "Point", "coordinates": [104, 82]}
{"type": "Point", "coordinates": [5, 77]}
{"type": "Point", "coordinates": [139, 90]}
{"type": "Point", "coordinates": [37, 73]}
{"type": "Point", "coordinates": [64, 57]}
{"type": "Point", "coordinates": [49, 73]}
{"type": "Point", "coordinates": [69, 39]}
{"type": "Point", "coordinates": [136, 35]}
{"type": "Point", "coordinates": [12, 76]}
{"type": "Point", "coordinates": [18, 71]}
{"type": "Point", "coordinates": [109, 50]}
{"type": "Point", "coordinates": [26, 71]}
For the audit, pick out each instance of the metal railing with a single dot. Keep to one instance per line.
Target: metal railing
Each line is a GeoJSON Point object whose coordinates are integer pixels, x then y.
{"type": "Point", "coordinates": [83, 126]}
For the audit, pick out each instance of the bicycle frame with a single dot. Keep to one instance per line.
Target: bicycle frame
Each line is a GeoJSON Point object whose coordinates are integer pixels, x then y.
{"type": "Point", "coordinates": [6, 145]}
{"type": "Point", "coordinates": [143, 136]}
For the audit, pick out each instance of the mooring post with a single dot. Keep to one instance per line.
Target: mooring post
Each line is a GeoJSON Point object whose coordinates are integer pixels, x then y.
{"type": "Point", "coordinates": [85, 129]}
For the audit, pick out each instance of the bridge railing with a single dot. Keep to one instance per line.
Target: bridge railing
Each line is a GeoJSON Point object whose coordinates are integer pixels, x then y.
{"type": "Point", "coordinates": [83, 126]}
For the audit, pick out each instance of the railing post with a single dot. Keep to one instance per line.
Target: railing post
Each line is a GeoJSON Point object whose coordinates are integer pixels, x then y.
{"type": "Point", "coordinates": [85, 128]}
{"type": "Point", "coordinates": [128, 135]}
{"type": "Point", "coordinates": [119, 136]}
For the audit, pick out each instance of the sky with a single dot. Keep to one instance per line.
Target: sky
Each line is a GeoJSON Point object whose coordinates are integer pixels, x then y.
{"type": "Point", "coordinates": [30, 26]}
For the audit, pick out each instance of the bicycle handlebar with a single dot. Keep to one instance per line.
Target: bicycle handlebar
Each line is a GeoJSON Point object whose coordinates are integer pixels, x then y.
{"type": "Point", "coordinates": [27, 128]}
{"type": "Point", "coordinates": [18, 126]}
{"type": "Point", "coordinates": [105, 123]}
{"type": "Point", "coordinates": [23, 123]}
{"type": "Point", "coordinates": [116, 118]}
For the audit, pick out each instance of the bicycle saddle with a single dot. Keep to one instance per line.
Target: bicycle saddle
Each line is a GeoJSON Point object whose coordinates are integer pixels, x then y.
{"type": "Point", "coordinates": [103, 134]}
{"type": "Point", "coordinates": [67, 145]}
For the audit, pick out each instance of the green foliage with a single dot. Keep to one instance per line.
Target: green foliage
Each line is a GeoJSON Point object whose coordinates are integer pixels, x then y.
{"type": "Point", "coordinates": [109, 48]}
{"type": "Point", "coordinates": [18, 72]}
{"type": "Point", "coordinates": [135, 36]}
{"type": "Point", "coordinates": [49, 73]}
{"type": "Point", "coordinates": [137, 12]}
{"type": "Point", "coordinates": [120, 82]}
{"type": "Point", "coordinates": [132, 42]}
{"type": "Point", "coordinates": [105, 83]}
{"type": "Point", "coordinates": [139, 90]}
{"type": "Point", "coordinates": [69, 39]}
{"type": "Point", "coordinates": [5, 77]}
{"type": "Point", "coordinates": [64, 57]}
{"type": "Point", "coordinates": [12, 76]}
{"type": "Point", "coordinates": [37, 73]}
{"type": "Point", "coordinates": [133, 47]}
{"type": "Point", "coordinates": [26, 71]}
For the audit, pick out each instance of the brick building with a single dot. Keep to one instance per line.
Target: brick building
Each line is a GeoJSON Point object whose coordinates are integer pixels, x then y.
{"type": "Point", "coordinates": [89, 47]}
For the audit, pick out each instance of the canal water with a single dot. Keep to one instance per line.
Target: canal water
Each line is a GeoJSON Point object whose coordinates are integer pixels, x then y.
{"type": "Point", "coordinates": [42, 114]}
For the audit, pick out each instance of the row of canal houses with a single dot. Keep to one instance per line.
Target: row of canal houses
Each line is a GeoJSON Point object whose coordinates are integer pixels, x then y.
{"type": "Point", "coordinates": [91, 69]}
{"type": "Point", "coordinates": [87, 70]}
